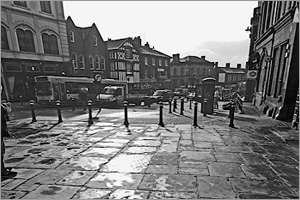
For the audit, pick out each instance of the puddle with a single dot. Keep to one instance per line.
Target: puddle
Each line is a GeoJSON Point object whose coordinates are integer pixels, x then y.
{"type": "Point", "coordinates": [14, 160]}
{"type": "Point", "coordinates": [51, 190]}
{"type": "Point", "coordinates": [47, 161]}
{"type": "Point", "coordinates": [41, 135]}
{"type": "Point", "coordinates": [36, 150]}
{"type": "Point", "coordinates": [26, 142]}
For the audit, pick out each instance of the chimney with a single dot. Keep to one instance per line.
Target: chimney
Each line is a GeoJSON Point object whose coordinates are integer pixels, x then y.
{"type": "Point", "coordinates": [137, 41]}
{"type": "Point", "coordinates": [176, 58]}
{"type": "Point", "coordinates": [109, 39]}
{"type": "Point", "coordinates": [216, 65]}
{"type": "Point", "coordinates": [239, 66]}
{"type": "Point", "coordinates": [227, 65]}
{"type": "Point", "coordinates": [203, 57]}
{"type": "Point", "coordinates": [147, 44]}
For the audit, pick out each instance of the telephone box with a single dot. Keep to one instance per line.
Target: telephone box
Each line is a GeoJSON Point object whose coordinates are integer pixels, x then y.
{"type": "Point", "coordinates": [208, 89]}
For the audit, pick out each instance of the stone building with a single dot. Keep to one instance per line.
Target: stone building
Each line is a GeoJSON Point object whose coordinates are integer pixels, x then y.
{"type": "Point", "coordinates": [276, 57]}
{"type": "Point", "coordinates": [88, 51]}
{"type": "Point", "coordinates": [33, 42]}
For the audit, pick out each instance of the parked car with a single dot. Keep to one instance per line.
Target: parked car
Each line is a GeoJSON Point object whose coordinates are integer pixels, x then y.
{"type": "Point", "coordinates": [159, 95]}
{"type": "Point", "coordinates": [181, 92]}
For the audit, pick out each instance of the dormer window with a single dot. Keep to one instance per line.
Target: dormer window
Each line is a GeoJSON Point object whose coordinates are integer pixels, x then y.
{"type": "Point", "coordinates": [21, 3]}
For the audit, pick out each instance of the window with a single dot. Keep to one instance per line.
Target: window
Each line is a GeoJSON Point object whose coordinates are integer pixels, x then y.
{"type": "Point", "coordinates": [50, 43]}
{"type": "Point", "coordinates": [91, 62]}
{"type": "Point", "coordinates": [128, 53]}
{"type": "Point", "coordinates": [160, 62]}
{"type": "Point", "coordinates": [166, 62]}
{"type": "Point", "coordinates": [21, 3]}
{"type": "Point", "coordinates": [72, 37]}
{"type": "Point", "coordinates": [81, 62]}
{"type": "Point", "coordinates": [146, 61]}
{"type": "Point", "coordinates": [97, 62]}
{"type": "Point", "coordinates": [74, 60]}
{"type": "Point", "coordinates": [95, 41]}
{"type": "Point", "coordinates": [25, 40]}
{"type": "Point", "coordinates": [46, 6]}
{"type": "Point", "coordinates": [153, 61]}
{"type": "Point", "coordinates": [4, 41]}
{"type": "Point", "coordinates": [102, 64]}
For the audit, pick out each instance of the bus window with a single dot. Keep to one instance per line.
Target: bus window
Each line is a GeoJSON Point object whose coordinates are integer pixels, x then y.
{"type": "Point", "coordinates": [43, 88]}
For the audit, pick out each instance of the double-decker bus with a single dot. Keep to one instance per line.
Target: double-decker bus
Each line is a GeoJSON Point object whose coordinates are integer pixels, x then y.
{"type": "Point", "coordinates": [49, 89]}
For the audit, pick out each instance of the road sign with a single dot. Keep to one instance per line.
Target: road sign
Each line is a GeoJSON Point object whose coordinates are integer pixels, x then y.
{"type": "Point", "coordinates": [252, 74]}
{"type": "Point", "coordinates": [98, 78]}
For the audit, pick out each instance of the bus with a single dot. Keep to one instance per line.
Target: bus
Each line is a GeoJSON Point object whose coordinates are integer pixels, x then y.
{"type": "Point", "coordinates": [49, 89]}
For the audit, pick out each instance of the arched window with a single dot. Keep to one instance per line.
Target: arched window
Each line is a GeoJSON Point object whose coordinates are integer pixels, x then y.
{"type": "Point", "coordinates": [97, 62]}
{"type": "Point", "coordinates": [102, 64]}
{"type": "Point", "coordinates": [74, 60]}
{"type": "Point", "coordinates": [91, 62]}
{"type": "Point", "coordinates": [4, 41]}
{"type": "Point", "coordinates": [50, 43]}
{"type": "Point", "coordinates": [25, 40]}
{"type": "Point", "coordinates": [81, 62]}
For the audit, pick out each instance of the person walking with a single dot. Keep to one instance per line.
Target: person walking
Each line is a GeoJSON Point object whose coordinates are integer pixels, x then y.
{"type": "Point", "coordinates": [216, 96]}
{"type": "Point", "coordinates": [83, 97]}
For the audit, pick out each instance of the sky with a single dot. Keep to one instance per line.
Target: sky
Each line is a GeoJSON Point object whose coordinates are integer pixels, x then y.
{"type": "Point", "coordinates": [214, 29]}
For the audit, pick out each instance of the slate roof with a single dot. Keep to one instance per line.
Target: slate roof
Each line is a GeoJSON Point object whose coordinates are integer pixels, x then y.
{"type": "Point", "coordinates": [232, 70]}
{"type": "Point", "coordinates": [150, 51]}
{"type": "Point", "coordinates": [115, 44]}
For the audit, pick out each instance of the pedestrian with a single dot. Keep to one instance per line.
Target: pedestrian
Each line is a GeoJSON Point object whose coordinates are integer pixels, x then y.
{"type": "Point", "coordinates": [216, 96]}
{"type": "Point", "coordinates": [83, 97]}
{"type": "Point", "coordinates": [5, 171]}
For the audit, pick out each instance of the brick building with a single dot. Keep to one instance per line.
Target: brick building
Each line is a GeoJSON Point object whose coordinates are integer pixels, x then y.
{"type": "Point", "coordinates": [88, 51]}
{"type": "Point", "coordinates": [33, 42]}
{"type": "Point", "coordinates": [155, 69]}
{"type": "Point", "coordinates": [189, 71]}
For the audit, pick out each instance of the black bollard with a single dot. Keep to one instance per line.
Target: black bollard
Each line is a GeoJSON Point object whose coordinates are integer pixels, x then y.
{"type": "Point", "coordinates": [191, 103]}
{"type": "Point", "coordinates": [21, 100]}
{"type": "Point", "coordinates": [31, 102]}
{"type": "Point", "coordinates": [204, 107]}
{"type": "Point", "coordinates": [89, 103]}
{"type": "Point", "coordinates": [195, 113]}
{"type": "Point", "coordinates": [181, 107]}
{"type": "Point", "coordinates": [174, 105]}
{"type": "Point", "coordinates": [161, 123]}
{"type": "Point", "coordinates": [58, 111]}
{"type": "Point", "coordinates": [170, 105]}
{"type": "Point", "coordinates": [126, 123]}
{"type": "Point", "coordinates": [231, 114]}
{"type": "Point", "coordinates": [73, 103]}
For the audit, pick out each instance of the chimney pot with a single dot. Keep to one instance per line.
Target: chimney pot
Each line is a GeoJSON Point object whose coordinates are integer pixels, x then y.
{"type": "Point", "coordinates": [239, 66]}
{"type": "Point", "coordinates": [203, 57]}
{"type": "Point", "coordinates": [227, 65]}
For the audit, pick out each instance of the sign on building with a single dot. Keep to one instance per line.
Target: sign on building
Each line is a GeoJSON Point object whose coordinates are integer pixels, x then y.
{"type": "Point", "coordinates": [252, 74]}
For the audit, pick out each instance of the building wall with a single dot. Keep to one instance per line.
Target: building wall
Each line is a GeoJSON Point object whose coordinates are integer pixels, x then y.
{"type": "Point", "coordinates": [20, 67]}
{"type": "Point", "coordinates": [276, 44]}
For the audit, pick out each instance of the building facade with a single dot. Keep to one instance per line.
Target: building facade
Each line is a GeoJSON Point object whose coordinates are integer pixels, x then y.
{"type": "Point", "coordinates": [124, 61]}
{"type": "Point", "coordinates": [276, 56]}
{"type": "Point", "coordinates": [88, 51]}
{"type": "Point", "coordinates": [33, 42]}
{"type": "Point", "coordinates": [188, 72]}
{"type": "Point", "coordinates": [155, 67]}
{"type": "Point", "coordinates": [230, 80]}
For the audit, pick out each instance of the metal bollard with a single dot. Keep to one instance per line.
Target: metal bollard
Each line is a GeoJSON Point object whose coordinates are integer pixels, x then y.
{"type": "Point", "coordinates": [204, 107]}
{"type": "Point", "coordinates": [190, 103]}
{"type": "Point", "coordinates": [89, 103]}
{"type": "Point", "coordinates": [231, 114]}
{"type": "Point", "coordinates": [181, 107]}
{"type": "Point", "coordinates": [73, 103]}
{"type": "Point", "coordinates": [175, 105]}
{"type": "Point", "coordinates": [195, 113]}
{"type": "Point", "coordinates": [31, 102]}
{"type": "Point", "coordinates": [126, 123]}
{"type": "Point", "coordinates": [170, 105]}
{"type": "Point", "coordinates": [21, 99]}
{"type": "Point", "coordinates": [161, 123]}
{"type": "Point", "coordinates": [58, 111]}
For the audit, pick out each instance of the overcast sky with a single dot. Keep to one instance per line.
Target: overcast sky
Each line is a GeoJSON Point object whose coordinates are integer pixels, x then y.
{"type": "Point", "coordinates": [215, 29]}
